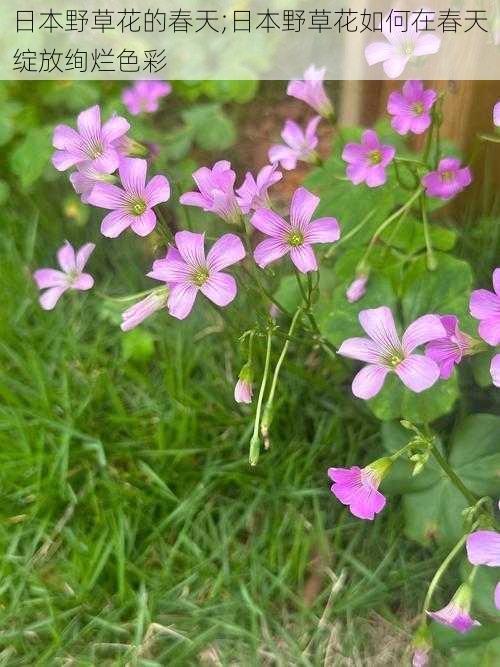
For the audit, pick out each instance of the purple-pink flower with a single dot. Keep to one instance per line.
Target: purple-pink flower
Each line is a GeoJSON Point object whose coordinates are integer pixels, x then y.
{"type": "Point", "coordinates": [312, 91]}
{"type": "Point", "coordinates": [485, 306]}
{"type": "Point", "coordinates": [252, 195]}
{"type": "Point", "coordinates": [56, 282]}
{"type": "Point", "coordinates": [358, 488]}
{"type": "Point", "coordinates": [93, 142]}
{"type": "Point", "coordinates": [187, 271]}
{"type": "Point", "coordinates": [448, 180]}
{"type": "Point", "coordinates": [367, 161]}
{"type": "Point", "coordinates": [456, 614]}
{"type": "Point", "coordinates": [243, 391]}
{"type": "Point", "coordinates": [402, 46]}
{"type": "Point", "coordinates": [496, 114]}
{"type": "Point", "coordinates": [449, 350]}
{"type": "Point", "coordinates": [85, 178]}
{"type": "Point", "coordinates": [357, 289]}
{"type": "Point", "coordinates": [132, 204]}
{"type": "Point", "coordinates": [411, 108]}
{"type": "Point", "coordinates": [300, 144]}
{"type": "Point", "coordinates": [495, 370]}
{"type": "Point", "coordinates": [384, 352]}
{"type": "Point", "coordinates": [216, 191]}
{"type": "Point", "coordinates": [295, 237]}
{"type": "Point", "coordinates": [145, 96]}
{"type": "Point", "coordinates": [141, 310]}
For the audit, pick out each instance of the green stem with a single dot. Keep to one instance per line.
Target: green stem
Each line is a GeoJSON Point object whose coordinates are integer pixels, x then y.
{"type": "Point", "coordinates": [431, 258]}
{"type": "Point", "coordinates": [388, 221]}
{"type": "Point", "coordinates": [350, 234]}
{"type": "Point", "coordinates": [454, 478]}
{"type": "Point", "coordinates": [255, 441]}
{"type": "Point", "coordinates": [163, 226]}
{"type": "Point", "coordinates": [266, 417]}
{"type": "Point", "coordinates": [440, 571]}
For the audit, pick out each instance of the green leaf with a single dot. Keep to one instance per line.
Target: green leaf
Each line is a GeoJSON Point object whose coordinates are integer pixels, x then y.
{"type": "Point", "coordinates": [409, 236]}
{"type": "Point", "coordinates": [435, 512]}
{"type": "Point", "coordinates": [212, 129]}
{"type": "Point", "coordinates": [32, 156]}
{"type": "Point", "coordinates": [485, 654]}
{"type": "Point", "coordinates": [395, 401]}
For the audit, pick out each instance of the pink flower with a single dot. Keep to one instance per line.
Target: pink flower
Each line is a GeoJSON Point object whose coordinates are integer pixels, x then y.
{"type": "Point", "coordinates": [252, 195]}
{"type": "Point", "coordinates": [71, 276]}
{"type": "Point", "coordinates": [449, 350]}
{"type": "Point", "coordinates": [456, 613]}
{"type": "Point", "coordinates": [496, 114]}
{"type": "Point", "coordinates": [141, 310]}
{"type": "Point", "coordinates": [357, 289]}
{"type": "Point", "coordinates": [485, 306]}
{"type": "Point", "coordinates": [85, 178]}
{"type": "Point", "coordinates": [93, 142]}
{"type": "Point", "coordinates": [448, 180]}
{"type": "Point", "coordinates": [187, 272]}
{"type": "Point", "coordinates": [295, 237]}
{"type": "Point", "coordinates": [411, 108]}
{"type": "Point", "coordinates": [358, 488]}
{"type": "Point", "coordinates": [312, 91]}
{"type": "Point", "coordinates": [385, 353]}
{"type": "Point", "coordinates": [368, 160]}
{"type": "Point", "coordinates": [145, 96]}
{"type": "Point", "coordinates": [495, 370]}
{"type": "Point", "coordinates": [420, 658]}
{"type": "Point", "coordinates": [300, 145]}
{"type": "Point", "coordinates": [132, 205]}
{"type": "Point", "coordinates": [216, 191]}
{"type": "Point", "coordinates": [401, 47]}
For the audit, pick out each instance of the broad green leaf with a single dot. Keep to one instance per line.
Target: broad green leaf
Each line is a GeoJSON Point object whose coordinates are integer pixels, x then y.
{"type": "Point", "coordinates": [212, 129]}
{"type": "Point", "coordinates": [32, 156]}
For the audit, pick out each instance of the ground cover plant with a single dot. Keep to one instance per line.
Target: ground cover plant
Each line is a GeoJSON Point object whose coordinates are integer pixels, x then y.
{"type": "Point", "coordinates": [251, 414]}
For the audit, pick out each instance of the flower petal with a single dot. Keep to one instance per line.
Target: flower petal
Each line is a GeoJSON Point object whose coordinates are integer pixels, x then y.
{"type": "Point", "coordinates": [89, 122]}
{"type": "Point", "coordinates": [418, 372]}
{"type": "Point", "coordinates": [495, 370]}
{"type": "Point", "coordinates": [496, 281]}
{"type": "Point", "coordinates": [225, 251]}
{"type": "Point", "coordinates": [115, 128]}
{"type": "Point", "coordinates": [114, 224]}
{"type": "Point", "coordinates": [83, 255]}
{"type": "Point", "coordinates": [270, 223]}
{"type": "Point", "coordinates": [363, 349]}
{"type": "Point", "coordinates": [293, 135]}
{"type": "Point", "coordinates": [304, 258]}
{"type": "Point", "coordinates": [424, 329]}
{"type": "Point", "coordinates": [220, 288]}
{"type": "Point", "coordinates": [377, 52]}
{"type": "Point", "coordinates": [484, 304]}
{"type": "Point", "coordinates": [323, 230]}
{"type": "Point", "coordinates": [171, 269]}
{"type": "Point", "coordinates": [394, 66]}
{"type": "Point", "coordinates": [133, 175]}
{"type": "Point", "coordinates": [489, 330]}
{"type": "Point", "coordinates": [269, 251]}
{"type": "Point", "coordinates": [191, 247]}
{"type": "Point", "coordinates": [63, 160]}
{"type": "Point", "coordinates": [157, 190]}
{"type": "Point", "coordinates": [51, 296]}
{"type": "Point", "coordinates": [367, 503]}
{"type": "Point", "coordinates": [369, 381]}
{"type": "Point", "coordinates": [303, 205]}
{"type": "Point", "coordinates": [106, 195]}
{"type": "Point", "coordinates": [49, 278]}
{"type": "Point", "coordinates": [286, 156]}
{"type": "Point", "coordinates": [181, 300]}
{"type": "Point", "coordinates": [65, 138]}
{"type": "Point", "coordinates": [144, 224]}
{"type": "Point", "coordinates": [84, 282]}
{"type": "Point", "coordinates": [426, 44]}
{"type": "Point", "coordinates": [483, 548]}
{"type": "Point", "coordinates": [379, 325]}
{"type": "Point", "coordinates": [66, 257]}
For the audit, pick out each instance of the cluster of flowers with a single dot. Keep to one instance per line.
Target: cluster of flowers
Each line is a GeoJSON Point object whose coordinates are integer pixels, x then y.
{"type": "Point", "coordinates": [107, 176]}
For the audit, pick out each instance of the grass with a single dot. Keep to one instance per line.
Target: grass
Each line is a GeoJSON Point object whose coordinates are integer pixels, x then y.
{"type": "Point", "coordinates": [133, 529]}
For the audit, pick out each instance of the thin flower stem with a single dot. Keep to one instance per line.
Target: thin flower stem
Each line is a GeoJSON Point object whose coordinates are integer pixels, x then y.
{"type": "Point", "coordinates": [267, 414]}
{"type": "Point", "coordinates": [401, 451]}
{"type": "Point", "coordinates": [130, 297]}
{"type": "Point", "coordinates": [350, 234]}
{"type": "Point", "coordinates": [407, 205]}
{"type": "Point", "coordinates": [489, 137]}
{"type": "Point", "coordinates": [307, 309]}
{"type": "Point", "coordinates": [431, 258]}
{"type": "Point", "coordinates": [454, 478]}
{"type": "Point", "coordinates": [255, 441]}
{"type": "Point", "coordinates": [440, 571]}
{"type": "Point", "coordinates": [163, 226]}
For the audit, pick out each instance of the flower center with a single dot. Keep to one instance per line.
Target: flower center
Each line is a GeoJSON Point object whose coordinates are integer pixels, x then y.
{"type": "Point", "coordinates": [200, 276]}
{"type": "Point", "coordinates": [95, 150]}
{"type": "Point", "coordinates": [418, 108]}
{"type": "Point", "coordinates": [394, 359]}
{"type": "Point", "coordinates": [295, 238]}
{"type": "Point", "coordinates": [447, 176]}
{"type": "Point", "coordinates": [407, 49]}
{"type": "Point", "coordinates": [375, 157]}
{"type": "Point", "coordinates": [137, 207]}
